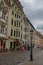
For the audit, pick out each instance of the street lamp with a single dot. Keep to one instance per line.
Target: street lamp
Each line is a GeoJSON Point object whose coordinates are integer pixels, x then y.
{"type": "Point", "coordinates": [31, 55]}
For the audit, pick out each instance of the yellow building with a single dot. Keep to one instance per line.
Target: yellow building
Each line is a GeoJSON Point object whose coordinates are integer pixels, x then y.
{"type": "Point", "coordinates": [39, 39]}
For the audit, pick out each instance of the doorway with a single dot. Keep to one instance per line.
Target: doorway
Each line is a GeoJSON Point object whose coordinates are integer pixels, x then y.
{"type": "Point", "coordinates": [10, 45]}
{"type": "Point", "coordinates": [4, 45]}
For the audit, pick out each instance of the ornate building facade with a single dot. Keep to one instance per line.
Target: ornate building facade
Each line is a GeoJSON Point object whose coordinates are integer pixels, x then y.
{"type": "Point", "coordinates": [3, 24]}
{"type": "Point", "coordinates": [15, 22]}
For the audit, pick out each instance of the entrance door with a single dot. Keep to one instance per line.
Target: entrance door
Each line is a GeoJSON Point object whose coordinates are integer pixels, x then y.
{"type": "Point", "coordinates": [4, 45]}
{"type": "Point", "coordinates": [10, 45]}
{"type": "Point", "coordinates": [14, 46]}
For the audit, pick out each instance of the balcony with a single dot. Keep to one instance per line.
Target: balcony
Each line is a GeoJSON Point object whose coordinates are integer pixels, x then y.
{"type": "Point", "coordinates": [3, 17]}
{"type": "Point", "coordinates": [2, 20]}
{"type": "Point", "coordinates": [2, 36]}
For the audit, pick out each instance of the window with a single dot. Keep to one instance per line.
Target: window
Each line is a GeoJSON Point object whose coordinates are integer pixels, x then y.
{"type": "Point", "coordinates": [17, 34]}
{"type": "Point", "coordinates": [21, 27]}
{"type": "Point", "coordinates": [12, 12]}
{"type": "Point", "coordinates": [12, 22]}
{"type": "Point", "coordinates": [19, 24]}
{"type": "Point", "coordinates": [14, 33]}
{"type": "Point", "coordinates": [3, 15]}
{"type": "Point", "coordinates": [15, 23]}
{"type": "Point", "coordinates": [19, 17]}
{"type": "Point", "coordinates": [10, 45]}
{"type": "Point", "coordinates": [25, 36]}
{"type": "Point", "coordinates": [0, 1]}
{"type": "Point", "coordinates": [21, 36]}
{"type": "Point", "coordinates": [2, 28]}
{"type": "Point", "coordinates": [25, 29]}
{"type": "Point", "coordinates": [11, 32]}
{"type": "Point", "coordinates": [15, 15]}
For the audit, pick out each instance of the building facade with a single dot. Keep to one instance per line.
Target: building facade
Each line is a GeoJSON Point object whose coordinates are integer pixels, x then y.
{"type": "Point", "coordinates": [30, 26]}
{"type": "Point", "coordinates": [27, 37]}
{"type": "Point", "coordinates": [39, 39]}
{"type": "Point", "coordinates": [15, 26]}
{"type": "Point", "coordinates": [15, 22]}
{"type": "Point", "coordinates": [3, 25]}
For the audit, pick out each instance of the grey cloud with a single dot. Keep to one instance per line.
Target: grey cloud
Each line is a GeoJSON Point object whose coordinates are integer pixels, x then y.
{"type": "Point", "coordinates": [34, 11]}
{"type": "Point", "coordinates": [40, 27]}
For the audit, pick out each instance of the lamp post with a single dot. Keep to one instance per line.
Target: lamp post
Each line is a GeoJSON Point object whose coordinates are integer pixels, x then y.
{"type": "Point", "coordinates": [31, 54]}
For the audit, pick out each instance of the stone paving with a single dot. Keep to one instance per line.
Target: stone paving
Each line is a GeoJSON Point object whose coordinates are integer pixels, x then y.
{"type": "Point", "coordinates": [15, 57]}
{"type": "Point", "coordinates": [38, 60]}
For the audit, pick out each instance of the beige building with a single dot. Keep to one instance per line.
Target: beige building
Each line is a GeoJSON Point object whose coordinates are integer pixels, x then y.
{"type": "Point", "coordinates": [28, 26]}
{"type": "Point", "coordinates": [15, 23]}
{"type": "Point", "coordinates": [3, 24]}
{"type": "Point", "coordinates": [15, 26]}
{"type": "Point", "coordinates": [25, 32]}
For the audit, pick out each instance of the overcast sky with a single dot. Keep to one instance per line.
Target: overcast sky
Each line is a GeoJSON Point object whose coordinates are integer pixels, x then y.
{"type": "Point", "coordinates": [34, 11]}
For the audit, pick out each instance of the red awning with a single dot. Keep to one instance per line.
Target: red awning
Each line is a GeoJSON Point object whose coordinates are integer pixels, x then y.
{"type": "Point", "coordinates": [17, 42]}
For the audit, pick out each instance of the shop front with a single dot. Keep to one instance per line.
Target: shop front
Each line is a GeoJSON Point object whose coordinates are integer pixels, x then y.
{"type": "Point", "coordinates": [17, 44]}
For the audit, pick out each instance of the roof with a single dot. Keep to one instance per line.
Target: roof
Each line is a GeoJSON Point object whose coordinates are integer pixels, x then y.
{"type": "Point", "coordinates": [29, 22]}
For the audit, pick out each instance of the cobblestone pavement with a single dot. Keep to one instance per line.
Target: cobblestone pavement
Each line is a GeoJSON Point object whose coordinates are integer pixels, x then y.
{"type": "Point", "coordinates": [14, 58]}
{"type": "Point", "coordinates": [38, 60]}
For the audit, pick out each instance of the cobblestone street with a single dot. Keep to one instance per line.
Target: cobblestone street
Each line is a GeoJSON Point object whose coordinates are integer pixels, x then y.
{"type": "Point", "coordinates": [38, 60]}
{"type": "Point", "coordinates": [15, 57]}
